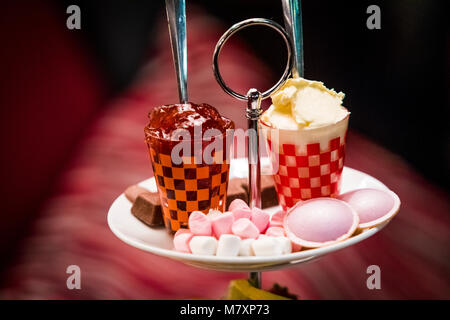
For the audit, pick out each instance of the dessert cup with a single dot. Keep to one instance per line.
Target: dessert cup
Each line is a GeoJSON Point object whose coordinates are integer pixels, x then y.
{"type": "Point", "coordinates": [306, 163]}
{"type": "Point", "coordinates": [195, 184]}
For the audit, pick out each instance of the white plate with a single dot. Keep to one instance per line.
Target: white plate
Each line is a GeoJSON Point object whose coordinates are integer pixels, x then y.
{"type": "Point", "coordinates": [158, 241]}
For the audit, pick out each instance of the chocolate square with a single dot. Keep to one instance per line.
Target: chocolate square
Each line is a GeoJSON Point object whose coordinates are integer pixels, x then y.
{"type": "Point", "coordinates": [236, 190]}
{"type": "Point", "coordinates": [269, 197]}
{"type": "Point", "coordinates": [147, 208]}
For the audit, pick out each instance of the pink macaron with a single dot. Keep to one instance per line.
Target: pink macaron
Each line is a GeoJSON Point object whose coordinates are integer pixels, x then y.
{"type": "Point", "coordinates": [320, 222]}
{"type": "Point", "coordinates": [374, 206]}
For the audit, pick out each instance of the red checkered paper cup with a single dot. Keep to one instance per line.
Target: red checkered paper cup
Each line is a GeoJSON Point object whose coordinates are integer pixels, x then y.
{"type": "Point", "coordinates": [306, 163]}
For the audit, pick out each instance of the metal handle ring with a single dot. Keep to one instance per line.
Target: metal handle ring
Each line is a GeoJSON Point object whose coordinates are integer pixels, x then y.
{"type": "Point", "coordinates": [235, 28]}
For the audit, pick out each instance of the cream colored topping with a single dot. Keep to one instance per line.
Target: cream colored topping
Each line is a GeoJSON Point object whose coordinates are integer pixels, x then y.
{"type": "Point", "coordinates": [304, 104]}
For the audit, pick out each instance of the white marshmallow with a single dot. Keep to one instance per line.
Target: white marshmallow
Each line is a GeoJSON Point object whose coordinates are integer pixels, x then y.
{"type": "Point", "coordinates": [285, 243]}
{"type": "Point", "coordinates": [228, 245]}
{"type": "Point", "coordinates": [267, 246]}
{"type": "Point", "coordinates": [203, 245]}
{"type": "Point", "coordinates": [245, 249]}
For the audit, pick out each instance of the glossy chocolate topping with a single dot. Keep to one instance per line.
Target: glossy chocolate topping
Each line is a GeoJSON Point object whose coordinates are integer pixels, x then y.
{"type": "Point", "coordinates": [164, 120]}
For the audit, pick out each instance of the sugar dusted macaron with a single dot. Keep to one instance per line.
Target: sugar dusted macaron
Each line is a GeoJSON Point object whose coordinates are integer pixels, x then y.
{"type": "Point", "coordinates": [320, 222]}
{"type": "Point", "coordinates": [374, 206]}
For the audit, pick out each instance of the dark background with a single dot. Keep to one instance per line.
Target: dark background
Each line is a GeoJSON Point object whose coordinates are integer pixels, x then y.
{"type": "Point", "coordinates": [395, 79]}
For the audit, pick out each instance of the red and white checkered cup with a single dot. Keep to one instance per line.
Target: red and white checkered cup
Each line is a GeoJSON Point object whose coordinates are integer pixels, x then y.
{"type": "Point", "coordinates": [308, 163]}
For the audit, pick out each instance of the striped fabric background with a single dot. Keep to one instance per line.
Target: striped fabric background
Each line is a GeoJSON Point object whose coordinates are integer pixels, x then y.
{"type": "Point", "coordinates": [412, 252]}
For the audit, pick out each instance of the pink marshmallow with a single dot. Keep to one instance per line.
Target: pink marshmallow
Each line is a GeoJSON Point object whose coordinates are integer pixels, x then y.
{"type": "Point", "coordinates": [181, 231]}
{"type": "Point", "coordinates": [275, 232]}
{"type": "Point", "coordinates": [238, 204]}
{"type": "Point", "coordinates": [245, 229]}
{"type": "Point", "coordinates": [199, 224]}
{"type": "Point", "coordinates": [221, 224]}
{"type": "Point", "coordinates": [277, 219]}
{"type": "Point", "coordinates": [242, 213]}
{"type": "Point", "coordinates": [260, 219]}
{"type": "Point", "coordinates": [181, 241]}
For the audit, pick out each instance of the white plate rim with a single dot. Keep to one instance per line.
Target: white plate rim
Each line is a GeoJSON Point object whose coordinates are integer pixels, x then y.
{"type": "Point", "coordinates": [240, 261]}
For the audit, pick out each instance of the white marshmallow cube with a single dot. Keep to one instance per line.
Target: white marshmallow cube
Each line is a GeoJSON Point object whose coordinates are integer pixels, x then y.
{"type": "Point", "coordinates": [245, 248]}
{"type": "Point", "coordinates": [228, 245]}
{"type": "Point", "coordinates": [267, 246]}
{"type": "Point", "coordinates": [203, 245]}
{"type": "Point", "coordinates": [285, 243]}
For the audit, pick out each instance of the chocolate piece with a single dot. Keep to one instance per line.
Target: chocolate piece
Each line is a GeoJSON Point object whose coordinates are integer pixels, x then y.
{"type": "Point", "coordinates": [147, 208]}
{"type": "Point", "coordinates": [236, 190]}
{"type": "Point", "coordinates": [132, 192]}
{"type": "Point", "coordinates": [269, 197]}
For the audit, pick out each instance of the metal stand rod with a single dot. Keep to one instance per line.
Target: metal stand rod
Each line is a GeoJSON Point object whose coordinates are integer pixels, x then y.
{"type": "Point", "coordinates": [255, 279]}
{"type": "Point", "coordinates": [176, 18]}
{"type": "Point", "coordinates": [253, 99]}
{"type": "Point", "coordinates": [292, 14]}
{"type": "Point", "coordinates": [254, 164]}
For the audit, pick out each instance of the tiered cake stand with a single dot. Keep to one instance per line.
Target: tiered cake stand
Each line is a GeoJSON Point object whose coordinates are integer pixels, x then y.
{"type": "Point", "coordinates": [157, 240]}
